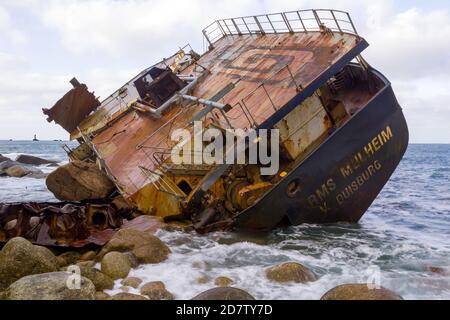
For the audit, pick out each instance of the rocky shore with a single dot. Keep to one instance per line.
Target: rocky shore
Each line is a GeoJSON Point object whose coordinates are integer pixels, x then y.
{"type": "Point", "coordinates": [24, 166]}
{"type": "Point", "coordinates": [30, 272]}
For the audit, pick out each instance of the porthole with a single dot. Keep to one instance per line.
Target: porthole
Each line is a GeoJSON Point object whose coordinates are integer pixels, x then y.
{"type": "Point", "coordinates": [293, 188]}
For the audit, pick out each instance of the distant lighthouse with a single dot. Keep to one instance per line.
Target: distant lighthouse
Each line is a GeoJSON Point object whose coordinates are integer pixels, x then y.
{"type": "Point", "coordinates": [35, 139]}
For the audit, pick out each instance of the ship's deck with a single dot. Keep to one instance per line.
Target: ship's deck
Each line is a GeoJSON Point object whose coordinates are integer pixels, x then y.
{"type": "Point", "coordinates": [267, 71]}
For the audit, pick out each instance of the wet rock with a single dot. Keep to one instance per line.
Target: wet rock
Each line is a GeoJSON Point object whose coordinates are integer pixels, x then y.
{"type": "Point", "coordinates": [134, 262]}
{"type": "Point", "coordinates": [102, 296]}
{"type": "Point", "coordinates": [5, 165]}
{"type": "Point", "coordinates": [17, 171]}
{"type": "Point", "coordinates": [36, 161]}
{"type": "Point", "coordinates": [2, 159]}
{"type": "Point", "coordinates": [50, 286]}
{"type": "Point", "coordinates": [224, 294]}
{"type": "Point", "coordinates": [156, 291]}
{"type": "Point", "coordinates": [290, 272]}
{"type": "Point", "coordinates": [100, 280]}
{"type": "Point", "coordinates": [77, 181]}
{"type": "Point", "coordinates": [223, 282]}
{"type": "Point", "coordinates": [68, 258]}
{"type": "Point", "coordinates": [127, 297]}
{"type": "Point", "coordinates": [147, 248]}
{"type": "Point", "coordinates": [88, 256]}
{"type": "Point", "coordinates": [115, 265]}
{"type": "Point", "coordinates": [203, 280]}
{"type": "Point", "coordinates": [359, 292]}
{"type": "Point", "coordinates": [86, 264]}
{"type": "Point", "coordinates": [131, 282]}
{"type": "Point", "coordinates": [20, 258]}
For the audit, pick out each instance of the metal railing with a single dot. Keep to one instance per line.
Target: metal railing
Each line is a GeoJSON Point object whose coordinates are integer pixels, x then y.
{"type": "Point", "coordinates": [284, 22]}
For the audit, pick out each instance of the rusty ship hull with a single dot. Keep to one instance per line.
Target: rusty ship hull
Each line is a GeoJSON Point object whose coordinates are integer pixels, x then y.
{"type": "Point", "coordinates": [339, 180]}
{"type": "Point", "coordinates": [301, 73]}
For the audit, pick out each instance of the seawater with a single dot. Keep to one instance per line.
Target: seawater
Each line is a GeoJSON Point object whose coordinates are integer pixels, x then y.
{"type": "Point", "coordinates": [405, 231]}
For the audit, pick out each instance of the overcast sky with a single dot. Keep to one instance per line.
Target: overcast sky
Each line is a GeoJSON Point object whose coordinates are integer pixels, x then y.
{"type": "Point", "coordinates": [104, 43]}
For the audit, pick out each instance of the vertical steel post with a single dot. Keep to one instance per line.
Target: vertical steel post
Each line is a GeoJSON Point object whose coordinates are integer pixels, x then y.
{"type": "Point", "coordinates": [351, 22]}
{"type": "Point", "coordinates": [259, 25]}
{"type": "Point", "coordinates": [207, 39]}
{"type": "Point", "coordinates": [335, 21]}
{"type": "Point", "coordinates": [245, 23]}
{"type": "Point", "coordinates": [301, 21]}
{"type": "Point", "coordinates": [286, 21]}
{"type": "Point", "coordinates": [319, 23]}
{"type": "Point", "coordinates": [270, 22]}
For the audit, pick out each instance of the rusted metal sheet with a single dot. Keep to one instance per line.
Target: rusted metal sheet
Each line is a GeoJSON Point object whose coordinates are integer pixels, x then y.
{"type": "Point", "coordinates": [73, 107]}
{"type": "Point", "coordinates": [303, 126]}
{"type": "Point", "coordinates": [65, 224]}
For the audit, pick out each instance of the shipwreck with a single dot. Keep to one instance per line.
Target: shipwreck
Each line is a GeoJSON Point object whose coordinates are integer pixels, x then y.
{"type": "Point", "coordinates": [342, 132]}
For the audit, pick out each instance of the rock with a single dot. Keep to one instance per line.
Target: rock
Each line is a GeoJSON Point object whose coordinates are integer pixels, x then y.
{"type": "Point", "coordinates": [131, 282]}
{"type": "Point", "coordinates": [359, 292]}
{"type": "Point", "coordinates": [127, 297]}
{"type": "Point", "coordinates": [147, 224]}
{"type": "Point", "coordinates": [134, 262]}
{"type": "Point", "coordinates": [4, 165]}
{"type": "Point", "coordinates": [2, 159]}
{"type": "Point", "coordinates": [68, 258]}
{"type": "Point", "coordinates": [146, 247]}
{"type": "Point", "coordinates": [20, 258]}
{"type": "Point", "coordinates": [116, 265]}
{"type": "Point", "coordinates": [7, 164]}
{"type": "Point", "coordinates": [102, 296]}
{"type": "Point", "coordinates": [100, 280]}
{"type": "Point", "coordinates": [17, 171]}
{"type": "Point", "coordinates": [77, 181]}
{"type": "Point", "coordinates": [36, 161]}
{"type": "Point", "coordinates": [290, 272]}
{"type": "Point", "coordinates": [50, 286]}
{"type": "Point", "coordinates": [223, 282]}
{"type": "Point", "coordinates": [203, 280]}
{"type": "Point", "coordinates": [88, 256]}
{"type": "Point", "coordinates": [224, 294]}
{"type": "Point", "coordinates": [156, 291]}
{"type": "Point", "coordinates": [86, 264]}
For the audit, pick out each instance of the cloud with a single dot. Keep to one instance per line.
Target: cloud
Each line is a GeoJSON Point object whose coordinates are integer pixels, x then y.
{"type": "Point", "coordinates": [411, 44]}
{"type": "Point", "coordinates": [22, 95]}
{"type": "Point", "coordinates": [8, 31]}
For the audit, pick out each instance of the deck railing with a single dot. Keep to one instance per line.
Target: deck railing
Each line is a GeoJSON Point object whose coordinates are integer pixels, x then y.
{"type": "Point", "coordinates": [284, 22]}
